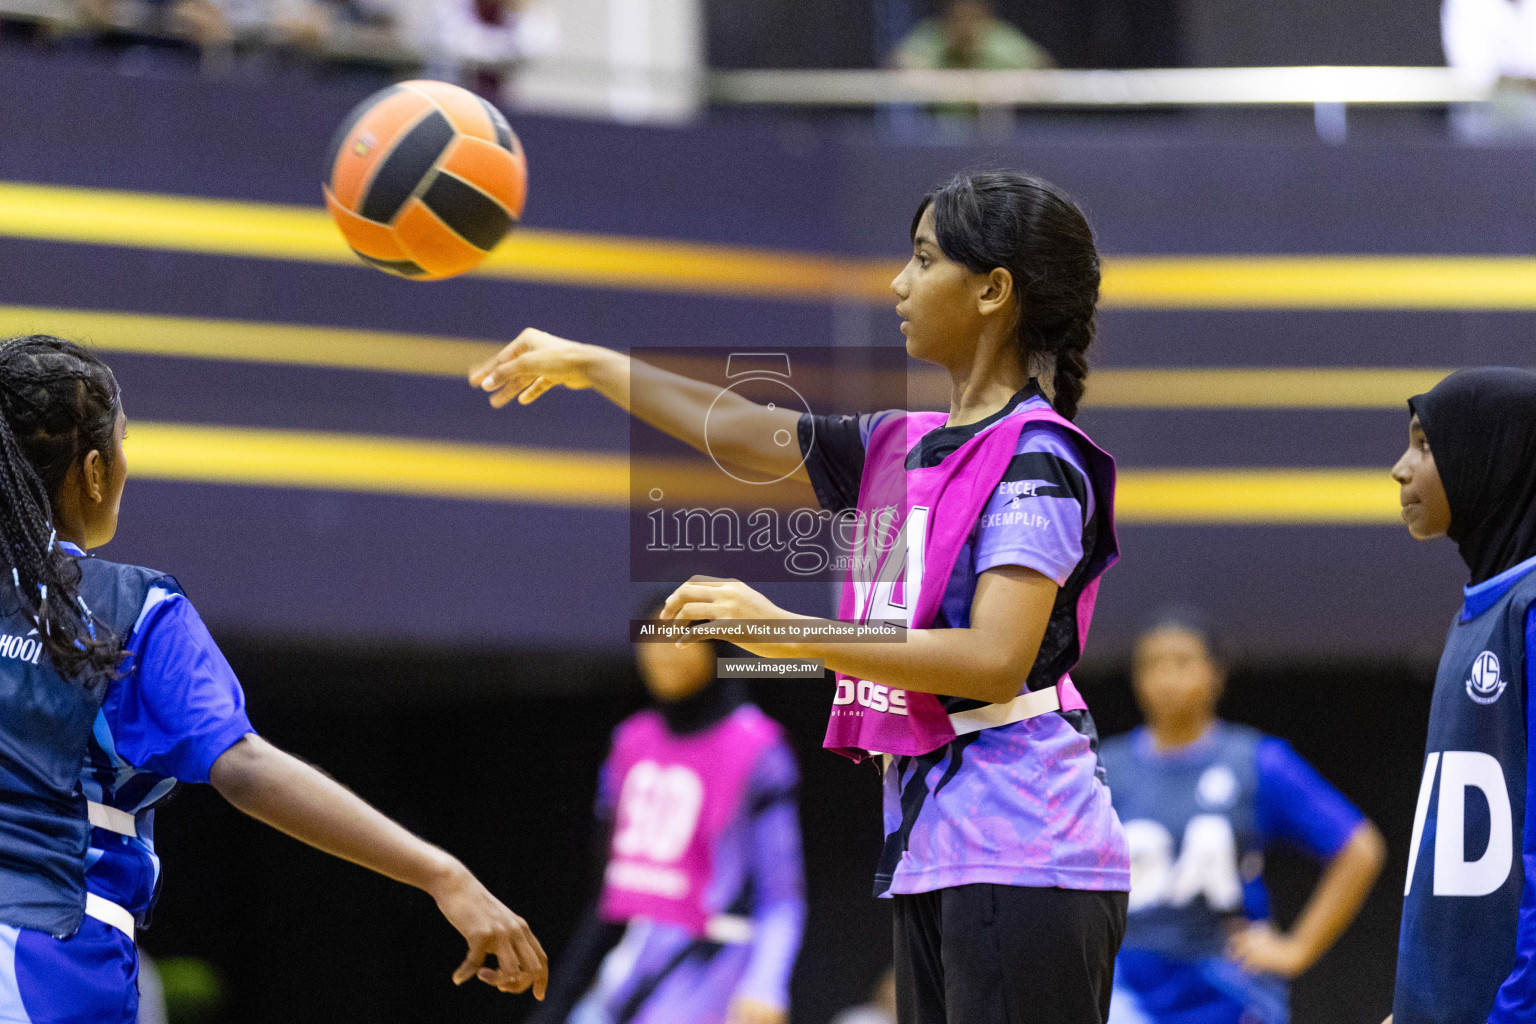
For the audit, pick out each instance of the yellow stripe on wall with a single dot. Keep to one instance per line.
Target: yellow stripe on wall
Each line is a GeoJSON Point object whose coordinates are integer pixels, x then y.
{"type": "Point", "coordinates": [306, 234]}
{"type": "Point", "coordinates": [405, 466]}
{"type": "Point", "coordinates": [1260, 388]}
{"type": "Point", "coordinates": [1320, 282]}
{"type": "Point", "coordinates": [434, 356]}
{"type": "Point", "coordinates": [379, 465]}
{"type": "Point", "coordinates": [1186, 497]}
{"type": "Point", "coordinates": [252, 342]}
{"type": "Point", "coordinates": [271, 231]}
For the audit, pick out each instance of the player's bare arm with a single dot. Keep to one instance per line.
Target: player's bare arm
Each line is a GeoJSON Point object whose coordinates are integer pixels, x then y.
{"type": "Point", "coordinates": [282, 791]}
{"type": "Point", "coordinates": [1346, 882]}
{"type": "Point", "coordinates": [740, 430]}
{"type": "Point", "coordinates": [987, 661]}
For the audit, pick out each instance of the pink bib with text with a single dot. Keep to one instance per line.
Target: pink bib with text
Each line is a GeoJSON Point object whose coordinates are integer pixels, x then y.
{"type": "Point", "coordinates": [912, 526]}
{"type": "Point", "coordinates": [677, 795]}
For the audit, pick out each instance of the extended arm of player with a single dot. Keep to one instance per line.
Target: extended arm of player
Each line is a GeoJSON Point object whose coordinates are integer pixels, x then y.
{"type": "Point", "coordinates": [987, 661]}
{"type": "Point", "coordinates": [293, 797]}
{"type": "Point", "coordinates": [1333, 905]}
{"type": "Point", "coordinates": [740, 431]}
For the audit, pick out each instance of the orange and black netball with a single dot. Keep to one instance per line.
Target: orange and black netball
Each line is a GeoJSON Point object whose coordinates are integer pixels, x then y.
{"type": "Point", "coordinates": [424, 179]}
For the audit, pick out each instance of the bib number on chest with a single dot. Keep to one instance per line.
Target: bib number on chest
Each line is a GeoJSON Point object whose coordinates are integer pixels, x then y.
{"type": "Point", "coordinates": [658, 812]}
{"type": "Point", "coordinates": [876, 600]}
{"type": "Point", "coordinates": [1206, 866]}
{"type": "Point", "coordinates": [904, 563]}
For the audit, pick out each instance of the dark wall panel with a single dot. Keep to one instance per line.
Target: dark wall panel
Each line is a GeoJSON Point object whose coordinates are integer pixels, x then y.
{"type": "Point", "coordinates": [1151, 187]}
{"type": "Point", "coordinates": [1220, 33]}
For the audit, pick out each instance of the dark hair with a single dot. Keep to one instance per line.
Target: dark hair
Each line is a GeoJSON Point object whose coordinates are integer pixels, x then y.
{"type": "Point", "coordinates": [1189, 619]}
{"type": "Point", "coordinates": [58, 402]}
{"type": "Point", "coordinates": [1034, 231]}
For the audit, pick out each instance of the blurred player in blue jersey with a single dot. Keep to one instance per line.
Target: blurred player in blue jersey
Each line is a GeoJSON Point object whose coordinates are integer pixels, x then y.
{"type": "Point", "coordinates": [701, 903]}
{"type": "Point", "coordinates": [1469, 907]}
{"type": "Point", "coordinates": [111, 693]}
{"type": "Point", "coordinates": [1202, 800]}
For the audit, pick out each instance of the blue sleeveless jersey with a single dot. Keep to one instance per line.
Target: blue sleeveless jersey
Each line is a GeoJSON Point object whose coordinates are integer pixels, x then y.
{"type": "Point", "coordinates": [45, 735]}
{"type": "Point", "coordinates": [1199, 821]}
{"type": "Point", "coordinates": [175, 709]}
{"type": "Point", "coordinates": [1469, 905]}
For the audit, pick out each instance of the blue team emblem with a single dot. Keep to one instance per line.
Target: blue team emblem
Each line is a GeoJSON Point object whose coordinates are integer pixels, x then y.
{"type": "Point", "coordinates": [1485, 684]}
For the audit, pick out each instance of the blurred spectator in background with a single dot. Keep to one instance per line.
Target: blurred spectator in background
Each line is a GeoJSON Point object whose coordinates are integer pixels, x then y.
{"type": "Point", "coordinates": [881, 1008]}
{"type": "Point", "coordinates": [306, 25]}
{"type": "Point", "coordinates": [1489, 40]}
{"type": "Point", "coordinates": [475, 43]}
{"type": "Point", "coordinates": [699, 882]}
{"type": "Point", "coordinates": [309, 25]}
{"type": "Point", "coordinates": [1493, 43]}
{"type": "Point", "coordinates": [1203, 801]}
{"type": "Point", "coordinates": [200, 22]}
{"type": "Point", "coordinates": [969, 35]}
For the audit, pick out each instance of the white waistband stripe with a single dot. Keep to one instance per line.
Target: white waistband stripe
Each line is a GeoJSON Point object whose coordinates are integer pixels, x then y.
{"type": "Point", "coordinates": [111, 819]}
{"type": "Point", "coordinates": [1025, 705]}
{"type": "Point", "coordinates": [106, 911]}
{"type": "Point", "coordinates": [729, 929]}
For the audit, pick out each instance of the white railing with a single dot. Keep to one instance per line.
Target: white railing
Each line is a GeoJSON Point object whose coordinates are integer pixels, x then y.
{"type": "Point", "coordinates": [1164, 87]}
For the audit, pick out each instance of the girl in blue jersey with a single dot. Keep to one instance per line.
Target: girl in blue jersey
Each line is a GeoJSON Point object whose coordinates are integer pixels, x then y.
{"type": "Point", "coordinates": [1203, 801]}
{"type": "Point", "coordinates": [1467, 951]}
{"type": "Point", "coordinates": [720, 951]}
{"type": "Point", "coordinates": [111, 694]}
{"type": "Point", "coordinates": [1003, 858]}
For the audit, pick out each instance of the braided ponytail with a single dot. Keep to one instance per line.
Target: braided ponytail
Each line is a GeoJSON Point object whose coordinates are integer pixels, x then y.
{"type": "Point", "coordinates": [1031, 229]}
{"type": "Point", "coordinates": [1071, 377]}
{"type": "Point", "coordinates": [57, 403]}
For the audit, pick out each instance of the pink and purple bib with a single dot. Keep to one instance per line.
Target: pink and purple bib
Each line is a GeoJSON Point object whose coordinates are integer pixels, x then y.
{"type": "Point", "coordinates": [677, 795]}
{"type": "Point", "coordinates": [911, 527]}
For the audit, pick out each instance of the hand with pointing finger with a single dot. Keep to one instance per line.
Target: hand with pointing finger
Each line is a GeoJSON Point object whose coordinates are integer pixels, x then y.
{"type": "Point", "coordinates": [533, 363]}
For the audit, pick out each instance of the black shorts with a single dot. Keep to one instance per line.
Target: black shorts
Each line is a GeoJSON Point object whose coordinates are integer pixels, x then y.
{"type": "Point", "coordinates": [1002, 954]}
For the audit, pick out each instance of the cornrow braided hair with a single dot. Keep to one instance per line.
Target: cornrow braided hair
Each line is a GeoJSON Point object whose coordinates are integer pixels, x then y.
{"type": "Point", "coordinates": [1033, 230]}
{"type": "Point", "coordinates": [57, 403]}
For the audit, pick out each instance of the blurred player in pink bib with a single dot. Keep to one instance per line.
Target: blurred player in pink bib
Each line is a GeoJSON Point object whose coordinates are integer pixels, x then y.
{"type": "Point", "coordinates": [986, 530]}
{"type": "Point", "coordinates": [701, 904]}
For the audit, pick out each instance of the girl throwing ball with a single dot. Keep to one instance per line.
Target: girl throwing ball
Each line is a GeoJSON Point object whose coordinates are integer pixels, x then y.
{"type": "Point", "coordinates": [1003, 858]}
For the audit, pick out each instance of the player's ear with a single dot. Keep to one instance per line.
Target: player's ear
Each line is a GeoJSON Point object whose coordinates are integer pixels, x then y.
{"type": "Point", "coordinates": [995, 292]}
{"type": "Point", "coordinates": [93, 476]}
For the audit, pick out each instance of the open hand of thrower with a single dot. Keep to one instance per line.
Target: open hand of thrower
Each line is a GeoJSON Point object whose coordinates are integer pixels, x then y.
{"type": "Point", "coordinates": [536, 361]}
{"type": "Point", "coordinates": [708, 601]}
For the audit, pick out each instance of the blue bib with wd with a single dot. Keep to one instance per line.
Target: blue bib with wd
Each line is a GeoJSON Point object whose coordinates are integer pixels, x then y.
{"type": "Point", "coordinates": [1461, 904]}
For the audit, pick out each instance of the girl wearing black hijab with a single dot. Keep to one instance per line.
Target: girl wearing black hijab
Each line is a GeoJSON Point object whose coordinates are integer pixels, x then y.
{"type": "Point", "coordinates": [1467, 953]}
